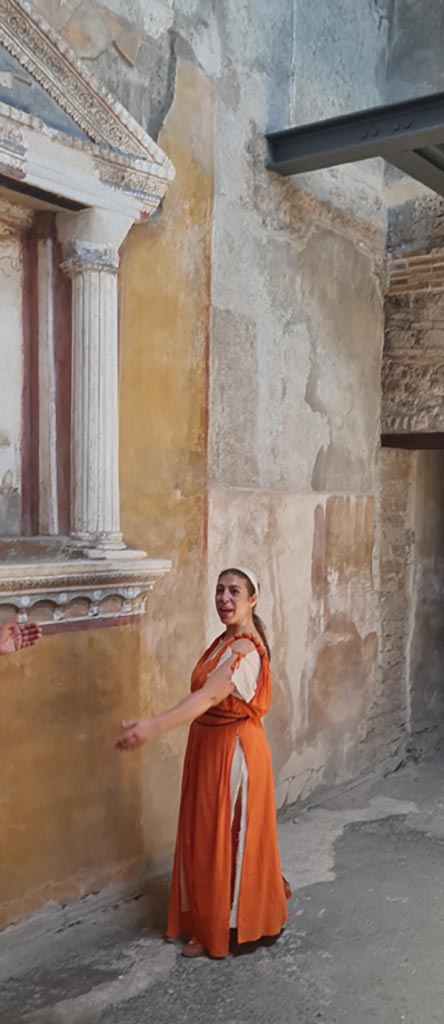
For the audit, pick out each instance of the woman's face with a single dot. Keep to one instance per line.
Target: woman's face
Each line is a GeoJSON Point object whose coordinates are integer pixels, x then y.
{"type": "Point", "coordinates": [233, 602]}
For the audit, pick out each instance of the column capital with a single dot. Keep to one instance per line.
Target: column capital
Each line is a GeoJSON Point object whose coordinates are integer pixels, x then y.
{"type": "Point", "coordinates": [80, 257]}
{"type": "Point", "coordinates": [93, 226]}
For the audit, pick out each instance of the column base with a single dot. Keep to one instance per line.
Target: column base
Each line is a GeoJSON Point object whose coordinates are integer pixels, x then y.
{"type": "Point", "coordinates": [104, 550]}
{"type": "Point", "coordinates": [114, 554]}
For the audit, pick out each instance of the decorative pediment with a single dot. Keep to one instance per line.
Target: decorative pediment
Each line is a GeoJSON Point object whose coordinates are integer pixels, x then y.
{"type": "Point", "coordinates": [45, 88]}
{"type": "Point", "coordinates": [20, 90]}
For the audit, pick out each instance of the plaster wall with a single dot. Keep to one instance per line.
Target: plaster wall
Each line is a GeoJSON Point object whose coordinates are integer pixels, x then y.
{"type": "Point", "coordinates": [251, 340]}
{"type": "Point", "coordinates": [295, 355]}
{"type": "Point", "coordinates": [409, 695]}
{"type": "Point", "coordinates": [414, 65]}
{"type": "Point", "coordinates": [413, 68]}
{"type": "Point", "coordinates": [334, 73]}
{"type": "Point", "coordinates": [76, 818]}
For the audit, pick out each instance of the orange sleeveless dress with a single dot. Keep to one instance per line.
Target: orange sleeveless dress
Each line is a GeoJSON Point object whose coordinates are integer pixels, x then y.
{"type": "Point", "coordinates": [201, 889]}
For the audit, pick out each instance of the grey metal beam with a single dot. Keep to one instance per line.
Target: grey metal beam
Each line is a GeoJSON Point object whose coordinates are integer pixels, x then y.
{"type": "Point", "coordinates": [381, 131]}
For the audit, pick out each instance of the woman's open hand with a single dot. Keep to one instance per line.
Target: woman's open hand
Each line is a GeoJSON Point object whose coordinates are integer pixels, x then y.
{"type": "Point", "coordinates": [136, 733]}
{"type": "Point", "coordinates": [15, 635]}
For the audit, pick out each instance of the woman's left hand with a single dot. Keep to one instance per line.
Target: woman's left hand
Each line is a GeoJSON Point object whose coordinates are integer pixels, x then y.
{"type": "Point", "coordinates": [15, 635]}
{"type": "Point", "coordinates": [136, 733]}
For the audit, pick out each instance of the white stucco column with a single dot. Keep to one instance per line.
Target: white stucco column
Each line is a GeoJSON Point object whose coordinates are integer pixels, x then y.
{"type": "Point", "coordinates": [90, 243]}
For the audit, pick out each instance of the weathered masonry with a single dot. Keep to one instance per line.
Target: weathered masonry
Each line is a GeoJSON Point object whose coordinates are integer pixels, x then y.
{"type": "Point", "coordinates": [410, 509]}
{"type": "Point", "coordinates": [203, 362]}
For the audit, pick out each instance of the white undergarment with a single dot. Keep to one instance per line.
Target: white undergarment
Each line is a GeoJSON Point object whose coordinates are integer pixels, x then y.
{"type": "Point", "coordinates": [245, 678]}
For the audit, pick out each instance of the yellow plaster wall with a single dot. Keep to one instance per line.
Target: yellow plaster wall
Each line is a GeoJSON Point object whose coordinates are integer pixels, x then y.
{"type": "Point", "coordinates": [73, 814]}
{"type": "Point", "coordinates": [69, 810]}
{"type": "Point", "coordinates": [165, 324]}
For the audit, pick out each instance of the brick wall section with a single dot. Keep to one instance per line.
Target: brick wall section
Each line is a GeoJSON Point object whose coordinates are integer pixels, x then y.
{"type": "Point", "coordinates": [414, 308]}
{"type": "Point", "coordinates": [389, 717]}
{"type": "Point", "coordinates": [413, 361]}
{"type": "Point", "coordinates": [417, 273]}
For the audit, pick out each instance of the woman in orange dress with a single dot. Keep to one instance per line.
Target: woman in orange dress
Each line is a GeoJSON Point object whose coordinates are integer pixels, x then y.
{"type": "Point", "coordinates": [226, 873]}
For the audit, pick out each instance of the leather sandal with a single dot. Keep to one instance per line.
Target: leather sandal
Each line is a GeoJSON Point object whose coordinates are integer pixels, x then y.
{"type": "Point", "coordinates": [193, 949]}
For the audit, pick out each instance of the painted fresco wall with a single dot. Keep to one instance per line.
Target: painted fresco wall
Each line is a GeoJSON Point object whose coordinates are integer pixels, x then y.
{"type": "Point", "coordinates": [251, 340]}
{"type": "Point", "coordinates": [295, 356]}
{"type": "Point", "coordinates": [74, 816]}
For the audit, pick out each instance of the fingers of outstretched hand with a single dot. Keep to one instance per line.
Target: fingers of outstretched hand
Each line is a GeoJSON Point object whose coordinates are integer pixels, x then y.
{"type": "Point", "coordinates": [15, 635]}
{"type": "Point", "coordinates": [130, 739]}
{"type": "Point", "coordinates": [29, 633]}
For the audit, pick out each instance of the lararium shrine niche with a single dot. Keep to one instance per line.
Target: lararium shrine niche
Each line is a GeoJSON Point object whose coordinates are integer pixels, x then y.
{"type": "Point", "coordinates": [76, 172]}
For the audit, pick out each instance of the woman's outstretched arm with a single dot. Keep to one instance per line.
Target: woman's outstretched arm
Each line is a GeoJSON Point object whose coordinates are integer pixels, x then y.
{"type": "Point", "coordinates": [217, 687]}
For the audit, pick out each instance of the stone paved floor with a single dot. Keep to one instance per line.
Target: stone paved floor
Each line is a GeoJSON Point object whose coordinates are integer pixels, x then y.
{"type": "Point", "coordinates": [364, 945]}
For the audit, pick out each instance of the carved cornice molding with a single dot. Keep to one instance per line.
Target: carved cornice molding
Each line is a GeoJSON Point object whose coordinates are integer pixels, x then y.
{"type": "Point", "coordinates": [12, 151]}
{"type": "Point", "coordinates": [59, 593]}
{"type": "Point", "coordinates": [136, 177]}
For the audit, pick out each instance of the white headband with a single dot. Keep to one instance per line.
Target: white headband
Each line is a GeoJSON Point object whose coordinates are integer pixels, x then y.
{"type": "Point", "coordinates": [250, 576]}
